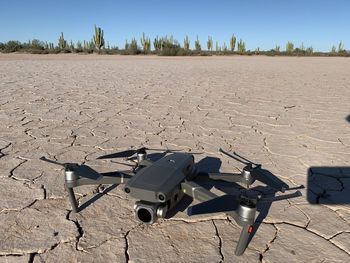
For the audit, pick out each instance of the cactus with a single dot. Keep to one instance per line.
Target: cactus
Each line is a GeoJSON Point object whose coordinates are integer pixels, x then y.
{"type": "Point", "coordinates": [341, 47]}
{"type": "Point", "coordinates": [71, 46]}
{"type": "Point", "coordinates": [210, 43]}
{"type": "Point", "coordinates": [289, 47]}
{"type": "Point", "coordinates": [333, 50]}
{"type": "Point", "coordinates": [62, 44]}
{"type": "Point", "coordinates": [79, 46]}
{"type": "Point", "coordinates": [217, 46]}
{"type": "Point", "coordinates": [197, 45]}
{"type": "Point", "coordinates": [98, 39]}
{"type": "Point", "coordinates": [277, 49]}
{"type": "Point", "coordinates": [186, 43]}
{"type": "Point", "coordinates": [241, 46]}
{"type": "Point", "coordinates": [146, 43]}
{"type": "Point", "coordinates": [310, 50]}
{"type": "Point", "coordinates": [224, 47]}
{"type": "Point", "coordinates": [157, 44]}
{"type": "Point", "coordinates": [233, 43]}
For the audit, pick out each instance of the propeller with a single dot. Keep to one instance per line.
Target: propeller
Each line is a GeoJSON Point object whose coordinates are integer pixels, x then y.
{"type": "Point", "coordinates": [131, 152]}
{"type": "Point", "coordinates": [258, 173]}
{"type": "Point", "coordinates": [80, 170]}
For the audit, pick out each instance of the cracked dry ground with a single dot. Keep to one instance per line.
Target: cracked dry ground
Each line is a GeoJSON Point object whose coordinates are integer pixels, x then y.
{"type": "Point", "coordinates": [288, 114]}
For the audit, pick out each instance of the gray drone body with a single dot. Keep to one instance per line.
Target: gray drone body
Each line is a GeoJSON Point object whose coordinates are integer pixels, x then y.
{"type": "Point", "coordinates": [160, 181]}
{"type": "Point", "coordinates": [158, 186]}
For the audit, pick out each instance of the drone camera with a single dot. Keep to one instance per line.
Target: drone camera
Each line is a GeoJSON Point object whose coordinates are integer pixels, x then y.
{"type": "Point", "coordinates": [148, 213]}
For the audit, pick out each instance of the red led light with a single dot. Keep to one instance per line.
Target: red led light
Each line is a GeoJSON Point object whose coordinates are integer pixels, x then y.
{"type": "Point", "coordinates": [250, 229]}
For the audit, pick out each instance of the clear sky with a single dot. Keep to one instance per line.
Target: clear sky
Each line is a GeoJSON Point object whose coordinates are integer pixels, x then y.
{"type": "Point", "coordinates": [263, 24]}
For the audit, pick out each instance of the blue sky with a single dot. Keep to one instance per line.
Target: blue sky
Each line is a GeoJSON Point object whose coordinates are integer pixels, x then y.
{"type": "Point", "coordinates": [261, 24]}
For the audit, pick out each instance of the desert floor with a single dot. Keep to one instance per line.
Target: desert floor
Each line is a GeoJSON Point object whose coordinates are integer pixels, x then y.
{"type": "Point", "coordinates": [288, 114]}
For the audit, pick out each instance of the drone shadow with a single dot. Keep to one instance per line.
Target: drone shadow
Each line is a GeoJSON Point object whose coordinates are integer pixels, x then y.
{"type": "Point", "coordinates": [328, 185]}
{"type": "Point", "coordinates": [96, 197]}
{"type": "Point", "coordinates": [348, 118]}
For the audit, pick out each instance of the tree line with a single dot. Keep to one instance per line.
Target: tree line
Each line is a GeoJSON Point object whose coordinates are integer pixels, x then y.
{"type": "Point", "coordinates": [166, 46]}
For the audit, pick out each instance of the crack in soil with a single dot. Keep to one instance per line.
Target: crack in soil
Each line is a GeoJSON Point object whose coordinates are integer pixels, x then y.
{"type": "Point", "coordinates": [269, 244]}
{"type": "Point", "coordinates": [220, 241]}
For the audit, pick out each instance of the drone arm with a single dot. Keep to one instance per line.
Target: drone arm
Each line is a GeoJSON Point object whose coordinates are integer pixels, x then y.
{"type": "Point", "coordinates": [197, 192]}
{"type": "Point", "coordinates": [201, 194]}
{"type": "Point", "coordinates": [231, 178]}
{"type": "Point", "coordinates": [105, 178]}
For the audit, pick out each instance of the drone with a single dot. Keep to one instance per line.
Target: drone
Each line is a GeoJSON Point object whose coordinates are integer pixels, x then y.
{"type": "Point", "coordinates": [161, 184]}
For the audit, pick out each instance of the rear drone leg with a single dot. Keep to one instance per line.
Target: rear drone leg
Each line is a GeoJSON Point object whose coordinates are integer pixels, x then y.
{"type": "Point", "coordinates": [72, 199]}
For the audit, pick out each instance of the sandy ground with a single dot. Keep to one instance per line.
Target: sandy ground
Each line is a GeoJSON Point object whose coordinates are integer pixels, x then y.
{"type": "Point", "coordinates": [289, 114]}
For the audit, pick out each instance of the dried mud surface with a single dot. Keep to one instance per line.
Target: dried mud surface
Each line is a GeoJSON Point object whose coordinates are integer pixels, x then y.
{"type": "Point", "coordinates": [289, 114]}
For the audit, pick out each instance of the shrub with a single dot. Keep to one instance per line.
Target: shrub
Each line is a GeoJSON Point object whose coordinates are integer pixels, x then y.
{"type": "Point", "coordinates": [289, 47]}
{"type": "Point", "coordinates": [12, 46]}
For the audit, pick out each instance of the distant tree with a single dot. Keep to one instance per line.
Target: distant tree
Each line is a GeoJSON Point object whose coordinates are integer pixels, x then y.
{"type": "Point", "coordinates": [289, 47]}
{"type": "Point", "coordinates": [310, 50]}
{"type": "Point", "coordinates": [12, 46]}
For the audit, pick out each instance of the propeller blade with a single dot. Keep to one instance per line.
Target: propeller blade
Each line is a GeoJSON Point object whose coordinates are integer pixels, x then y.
{"type": "Point", "coordinates": [80, 170]}
{"type": "Point", "coordinates": [245, 159]}
{"type": "Point", "coordinates": [269, 179]}
{"type": "Point", "coordinates": [127, 164]}
{"type": "Point", "coordinates": [123, 154]}
{"type": "Point", "coordinates": [279, 198]}
{"type": "Point", "coordinates": [233, 157]}
{"type": "Point", "coordinates": [227, 177]}
{"type": "Point", "coordinates": [225, 203]}
{"type": "Point", "coordinates": [43, 158]}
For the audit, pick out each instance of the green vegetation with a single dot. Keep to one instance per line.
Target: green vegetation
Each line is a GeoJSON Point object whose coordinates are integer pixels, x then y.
{"type": "Point", "coordinates": [163, 46]}
{"type": "Point", "coordinates": [62, 43]}
{"type": "Point", "coordinates": [98, 38]}
{"type": "Point", "coordinates": [210, 43]}
{"type": "Point", "coordinates": [233, 43]}
{"type": "Point", "coordinates": [186, 43]}
{"type": "Point", "coordinates": [197, 45]}
{"type": "Point", "coordinates": [157, 44]}
{"type": "Point", "coordinates": [289, 47]}
{"type": "Point", "coordinates": [146, 44]}
{"type": "Point", "coordinates": [241, 47]}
